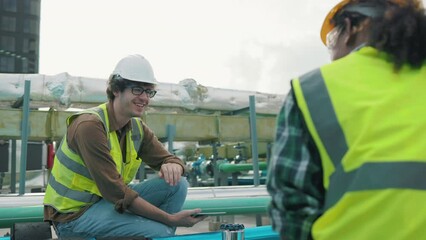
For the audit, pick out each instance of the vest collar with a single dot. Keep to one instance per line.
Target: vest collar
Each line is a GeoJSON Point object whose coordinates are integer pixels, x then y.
{"type": "Point", "coordinates": [113, 125]}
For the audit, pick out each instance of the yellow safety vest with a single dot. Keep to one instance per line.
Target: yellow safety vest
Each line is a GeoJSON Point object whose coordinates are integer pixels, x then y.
{"type": "Point", "coordinates": [71, 186]}
{"type": "Point", "coordinates": [369, 125]}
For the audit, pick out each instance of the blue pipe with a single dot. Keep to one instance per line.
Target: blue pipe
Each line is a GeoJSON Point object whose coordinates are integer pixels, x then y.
{"type": "Point", "coordinates": [24, 137]}
{"type": "Point", "coordinates": [253, 134]}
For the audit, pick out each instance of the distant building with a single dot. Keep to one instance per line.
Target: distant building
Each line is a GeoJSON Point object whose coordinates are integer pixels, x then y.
{"type": "Point", "coordinates": [19, 36]}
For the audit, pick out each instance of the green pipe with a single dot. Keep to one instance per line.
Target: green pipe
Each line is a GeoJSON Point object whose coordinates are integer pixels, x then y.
{"type": "Point", "coordinates": [229, 167]}
{"type": "Point", "coordinates": [247, 205]}
{"type": "Point", "coordinates": [9, 216]}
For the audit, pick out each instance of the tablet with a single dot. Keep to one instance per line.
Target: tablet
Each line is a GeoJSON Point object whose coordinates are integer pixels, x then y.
{"type": "Point", "coordinates": [208, 214]}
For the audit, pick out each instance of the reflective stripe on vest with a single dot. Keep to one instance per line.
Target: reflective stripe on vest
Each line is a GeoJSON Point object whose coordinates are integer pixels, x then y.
{"type": "Point", "coordinates": [101, 114]}
{"type": "Point", "coordinates": [370, 176]}
{"type": "Point", "coordinates": [62, 190]}
{"type": "Point", "coordinates": [136, 132]}
{"type": "Point", "coordinates": [72, 165]}
{"type": "Point", "coordinates": [323, 115]}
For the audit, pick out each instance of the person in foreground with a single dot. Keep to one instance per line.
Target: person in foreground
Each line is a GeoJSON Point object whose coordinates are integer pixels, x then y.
{"type": "Point", "coordinates": [89, 193]}
{"type": "Point", "coordinates": [349, 157]}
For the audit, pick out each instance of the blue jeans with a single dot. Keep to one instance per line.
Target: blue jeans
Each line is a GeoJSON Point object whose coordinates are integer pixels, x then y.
{"type": "Point", "coordinates": [101, 220]}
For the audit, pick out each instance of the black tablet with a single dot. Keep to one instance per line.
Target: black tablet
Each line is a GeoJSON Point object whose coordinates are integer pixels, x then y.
{"type": "Point", "coordinates": [208, 214]}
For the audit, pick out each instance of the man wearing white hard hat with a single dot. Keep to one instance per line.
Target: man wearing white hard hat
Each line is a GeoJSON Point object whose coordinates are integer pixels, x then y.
{"type": "Point", "coordinates": [348, 160]}
{"type": "Point", "coordinates": [89, 192]}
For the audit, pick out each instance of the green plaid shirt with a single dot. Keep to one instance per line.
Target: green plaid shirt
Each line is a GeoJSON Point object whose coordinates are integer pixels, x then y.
{"type": "Point", "coordinates": [294, 176]}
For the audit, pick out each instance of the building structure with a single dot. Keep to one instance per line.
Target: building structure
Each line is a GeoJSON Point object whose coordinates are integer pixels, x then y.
{"type": "Point", "coordinates": [19, 36]}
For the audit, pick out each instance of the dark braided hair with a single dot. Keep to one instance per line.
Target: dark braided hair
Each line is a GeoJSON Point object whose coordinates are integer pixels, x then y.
{"type": "Point", "coordinates": [400, 31]}
{"type": "Point", "coordinates": [402, 34]}
{"type": "Point", "coordinates": [355, 18]}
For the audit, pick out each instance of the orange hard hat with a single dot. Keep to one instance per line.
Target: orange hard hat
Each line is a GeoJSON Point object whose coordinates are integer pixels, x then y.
{"type": "Point", "coordinates": [327, 26]}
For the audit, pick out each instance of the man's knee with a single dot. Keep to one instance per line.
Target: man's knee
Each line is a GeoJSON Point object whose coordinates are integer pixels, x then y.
{"type": "Point", "coordinates": [150, 229]}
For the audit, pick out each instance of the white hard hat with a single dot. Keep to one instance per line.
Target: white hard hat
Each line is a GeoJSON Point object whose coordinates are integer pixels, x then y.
{"type": "Point", "coordinates": [135, 68]}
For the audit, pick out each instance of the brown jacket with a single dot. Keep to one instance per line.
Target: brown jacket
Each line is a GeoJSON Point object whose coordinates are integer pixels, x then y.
{"type": "Point", "coordinates": [87, 137]}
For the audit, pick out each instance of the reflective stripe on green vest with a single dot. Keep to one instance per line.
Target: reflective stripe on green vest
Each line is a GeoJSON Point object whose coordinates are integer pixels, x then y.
{"type": "Point", "coordinates": [364, 174]}
{"type": "Point", "coordinates": [71, 185]}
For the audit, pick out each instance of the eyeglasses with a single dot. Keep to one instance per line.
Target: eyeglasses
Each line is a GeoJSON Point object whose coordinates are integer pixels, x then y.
{"type": "Point", "coordinates": [136, 90]}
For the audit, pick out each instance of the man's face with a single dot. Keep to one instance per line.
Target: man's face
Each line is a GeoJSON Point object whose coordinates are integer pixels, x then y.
{"type": "Point", "coordinates": [135, 98]}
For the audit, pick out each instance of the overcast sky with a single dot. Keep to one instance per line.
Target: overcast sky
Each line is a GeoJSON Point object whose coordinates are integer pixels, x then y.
{"type": "Point", "coordinates": [255, 45]}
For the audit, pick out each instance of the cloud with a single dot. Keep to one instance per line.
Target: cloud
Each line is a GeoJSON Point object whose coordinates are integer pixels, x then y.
{"type": "Point", "coordinates": [269, 67]}
{"type": "Point", "coordinates": [250, 45]}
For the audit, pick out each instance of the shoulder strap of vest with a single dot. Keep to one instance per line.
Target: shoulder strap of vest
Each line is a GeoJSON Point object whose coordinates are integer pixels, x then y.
{"type": "Point", "coordinates": [323, 115]}
{"type": "Point", "coordinates": [137, 133]}
{"type": "Point", "coordinates": [101, 112]}
{"type": "Point", "coordinates": [80, 196]}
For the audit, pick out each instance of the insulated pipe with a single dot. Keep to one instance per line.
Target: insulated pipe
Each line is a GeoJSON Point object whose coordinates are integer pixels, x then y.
{"type": "Point", "coordinates": [196, 193]}
{"type": "Point", "coordinates": [230, 199]}
{"type": "Point", "coordinates": [239, 205]}
{"type": "Point", "coordinates": [254, 233]}
{"type": "Point", "coordinates": [258, 233]}
{"type": "Point", "coordinates": [9, 216]}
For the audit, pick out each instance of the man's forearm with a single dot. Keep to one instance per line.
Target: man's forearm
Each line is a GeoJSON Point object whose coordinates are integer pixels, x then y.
{"type": "Point", "coordinates": [143, 208]}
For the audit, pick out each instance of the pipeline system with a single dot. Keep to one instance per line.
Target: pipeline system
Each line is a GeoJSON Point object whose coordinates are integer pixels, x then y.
{"type": "Point", "coordinates": [29, 124]}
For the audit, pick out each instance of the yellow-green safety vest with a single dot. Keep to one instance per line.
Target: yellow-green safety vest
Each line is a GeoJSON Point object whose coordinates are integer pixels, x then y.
{"type": "Point", "coordinates": [369, 125]}
{"type": "Point", "coordinates": [71, 186]}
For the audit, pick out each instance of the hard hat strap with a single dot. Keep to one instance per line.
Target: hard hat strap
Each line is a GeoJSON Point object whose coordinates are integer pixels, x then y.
{"type": "Point", "coordinates": [367, 9]}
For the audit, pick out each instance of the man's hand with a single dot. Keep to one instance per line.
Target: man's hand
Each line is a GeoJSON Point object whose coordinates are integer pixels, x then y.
{"type": "Point", "coordinates": [171, 172]}
{"type": "Point", "coordinates": [186, 218]}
